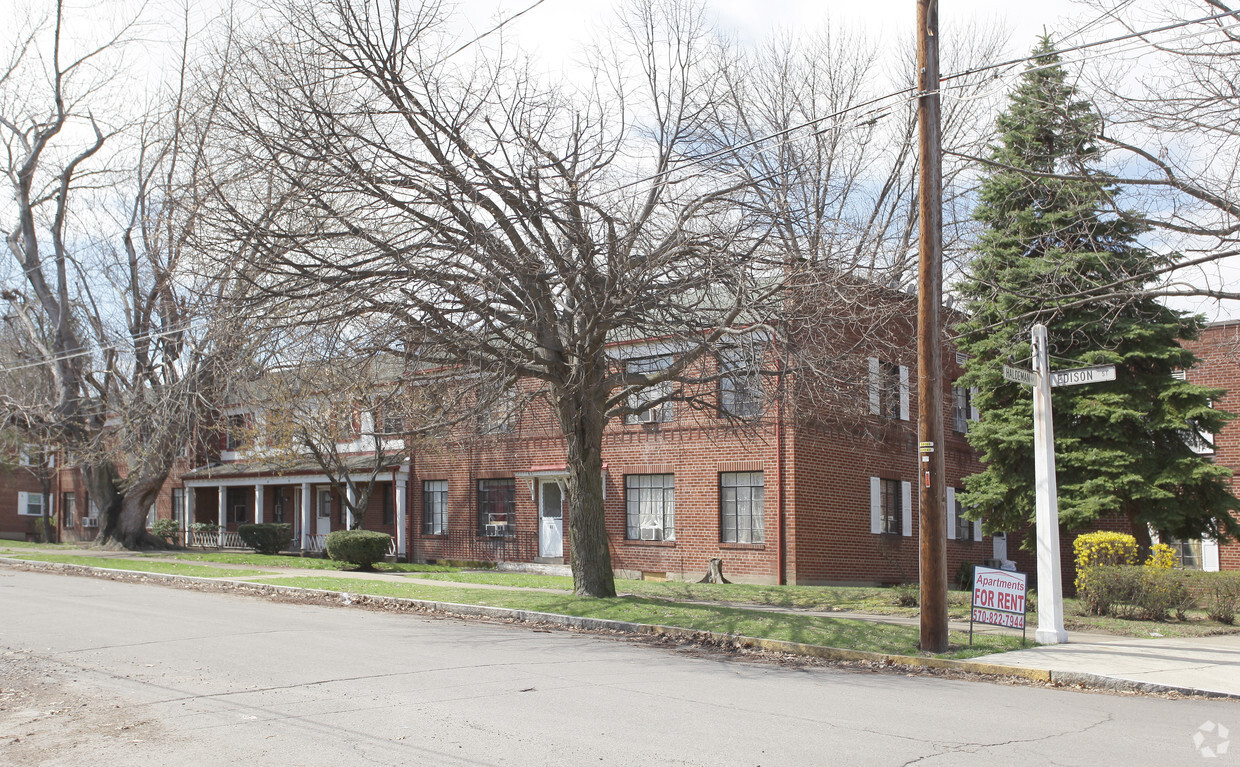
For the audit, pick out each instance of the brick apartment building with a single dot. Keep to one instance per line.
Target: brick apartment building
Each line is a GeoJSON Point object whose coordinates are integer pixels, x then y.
{"type": "Point", "coordinates": [790, 495]}
{"type": "Point", "coordinates": [1218, 366]}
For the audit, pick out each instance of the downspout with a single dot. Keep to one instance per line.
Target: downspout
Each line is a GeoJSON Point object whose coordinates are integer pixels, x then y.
{"type": "Point", "coordinates": [779, 442]}
{"type": "Point", "coordinates": [779, 470]}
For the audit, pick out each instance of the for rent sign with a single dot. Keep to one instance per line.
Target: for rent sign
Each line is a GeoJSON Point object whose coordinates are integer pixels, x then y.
{"type": "Point", "coordinates": [998, 598]}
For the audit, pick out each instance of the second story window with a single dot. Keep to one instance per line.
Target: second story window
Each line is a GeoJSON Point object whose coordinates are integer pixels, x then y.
{"type": "Point", "coordinates": [650, 400]}
{"type": "Point", "coordinates": [237, 432]}
{"type": "Point", "coordinates": [740, 384]}
{"type": "Point", "coordinates": [889, 389]}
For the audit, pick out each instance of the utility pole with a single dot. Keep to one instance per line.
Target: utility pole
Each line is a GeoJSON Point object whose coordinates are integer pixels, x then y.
{"type": "Point", "coordinates": [933, 495]}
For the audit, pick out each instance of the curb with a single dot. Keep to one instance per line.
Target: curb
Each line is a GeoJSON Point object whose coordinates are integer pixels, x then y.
{"type": "Point", "coordinates": [452, 609]}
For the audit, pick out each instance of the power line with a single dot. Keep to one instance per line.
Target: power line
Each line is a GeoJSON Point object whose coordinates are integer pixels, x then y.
{"type": "Point", "coordinates": [94, 350]}
{"type": "Point", "coordinates": [910, 93]}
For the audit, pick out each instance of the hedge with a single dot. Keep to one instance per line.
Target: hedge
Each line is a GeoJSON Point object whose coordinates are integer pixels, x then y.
{"type": "Point", "coordinates": [268, 537]}
{"type": "Point", "coordinates": [1154, 593]}
{"type": "Point", "coordinates": [359, 547]}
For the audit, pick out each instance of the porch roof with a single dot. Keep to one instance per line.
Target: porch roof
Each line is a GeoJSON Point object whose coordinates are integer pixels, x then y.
{"type": "Point", "coordinates": [353, 464]}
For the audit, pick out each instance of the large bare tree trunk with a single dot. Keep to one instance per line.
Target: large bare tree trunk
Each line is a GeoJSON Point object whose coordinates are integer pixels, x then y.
{"type": "Point", "coordinates": [582, 419]}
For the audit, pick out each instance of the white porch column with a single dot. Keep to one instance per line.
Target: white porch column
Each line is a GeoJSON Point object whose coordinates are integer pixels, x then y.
{"type": "Point", "coordinates": [399, 491]}
{"type": "Point", "coordinates": [219, 537]}
{"type": "Point", "coordinates": [190, 494]}
{"type": "Point", "coordinates": [349, 519]}
{"type": "Point", "coordinates": [258, 504]}
{"type": "Point", "coordinates": [305, 516]}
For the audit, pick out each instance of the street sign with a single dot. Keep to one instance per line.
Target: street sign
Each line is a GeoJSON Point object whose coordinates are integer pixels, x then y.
{"type": "Point", "coordinates": [1020, 375]}
{"type": "Point", "coordinates": [1078, 376]}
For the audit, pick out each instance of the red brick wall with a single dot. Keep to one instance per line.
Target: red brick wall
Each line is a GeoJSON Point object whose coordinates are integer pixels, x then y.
{"type": "Point", "coordinates": [1218, 366]}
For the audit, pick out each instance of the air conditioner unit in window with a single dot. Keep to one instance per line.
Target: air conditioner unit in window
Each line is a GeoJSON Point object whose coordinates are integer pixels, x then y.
{"type": "Point", "coordinates": [90, 522]}
{"type": "Point", "coordinates": [652, 534]}
{"type": "Point", "coordinates": [497, 531]}
{"type": "Point", "coordinates": [647, 416]}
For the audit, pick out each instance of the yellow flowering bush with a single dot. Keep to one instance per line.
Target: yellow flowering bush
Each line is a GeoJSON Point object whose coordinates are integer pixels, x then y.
{"type": "Point", "coordinates": [1103, 548]}
{"type": "Point", "coordinates": [1162, 557]}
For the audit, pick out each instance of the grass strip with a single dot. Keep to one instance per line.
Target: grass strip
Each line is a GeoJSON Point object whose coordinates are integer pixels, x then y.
{"type": "Point", "coordinates": [807, 629]}
{"type": "Point", "coordinates": [305, 563]}
{"type": "Point", "coordinates": [116, 563]}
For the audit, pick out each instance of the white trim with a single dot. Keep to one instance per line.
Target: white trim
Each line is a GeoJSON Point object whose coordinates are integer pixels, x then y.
{"type": "Point", "coordinates": [904, 393]}
{"type": "Point", "coordinates": [1209, 555]}
{"type": "Point", "coordinates": [876, 505]}
{"type": "Point", "coordinates": [951, 513]}
{"type": "Point", "coordinates": [290, 479]}
{"type": "Point", "coordinates": [906, 499]}
{"type": "Point", "coordinates": [875, 387]}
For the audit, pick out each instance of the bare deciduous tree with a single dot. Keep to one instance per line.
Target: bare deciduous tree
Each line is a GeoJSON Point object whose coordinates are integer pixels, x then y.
{"type": "Point", "coordinates": [106, 288]}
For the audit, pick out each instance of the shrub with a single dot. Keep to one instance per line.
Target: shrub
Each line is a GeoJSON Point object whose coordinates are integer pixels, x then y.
{"type": "Point", "coordinates": [1162, 557]}
{"type": "Point", "coordinates": [1102, 548]}
{"type": "Point", "coordinates": [964, 576]}
{"type": "Point", "coordinates": [359, 547]}
{"type": "Point", "coordinates": [906, 594]}
{"type": "Point", "coordinates": [1219, 594]}
{"type": "Point", "coordinates": [205, 527]}
{"type": "Point", "coordinates": [1126, 591]}
{"type": "Point", "coordinates": [268, 537]}
{"type": "Point", "coordinates": [166, 529]}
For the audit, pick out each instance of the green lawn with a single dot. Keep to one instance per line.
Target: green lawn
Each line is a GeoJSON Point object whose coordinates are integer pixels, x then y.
{"type": "Point", "coordinates": [7, 544]}
{"type": "Point", "coordinates": [146, 566]}
{"type": "Point", "coordinates": [808, 629]}
{"type": "Point", "coordinates": [307, 563]}
{"type": "Point", "coordinates": [819, 598]}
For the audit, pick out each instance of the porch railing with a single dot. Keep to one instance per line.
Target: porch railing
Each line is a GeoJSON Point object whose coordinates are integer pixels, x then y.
{"type": "Point", "coordinates": [230, 540]}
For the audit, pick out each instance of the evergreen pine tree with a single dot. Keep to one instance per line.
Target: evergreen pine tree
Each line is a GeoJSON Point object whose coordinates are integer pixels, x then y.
{"type": "Point", "coordinates": [1121, 447]}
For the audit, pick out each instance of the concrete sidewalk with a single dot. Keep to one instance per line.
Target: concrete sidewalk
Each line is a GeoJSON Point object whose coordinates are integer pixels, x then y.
{"type": "Point", "coordinates": [1209, 664]}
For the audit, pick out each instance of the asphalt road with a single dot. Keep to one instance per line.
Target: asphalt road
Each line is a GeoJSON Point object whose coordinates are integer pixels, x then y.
{"type": "Point", "coordinates": [96, 672]}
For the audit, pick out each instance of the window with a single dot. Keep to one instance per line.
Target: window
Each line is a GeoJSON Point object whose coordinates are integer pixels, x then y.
{"type": "Point", "coordinates": [235, 436]}
{"type": "Point", "coordinates": [960, 409]}
{"type": "Point", "coordinates": [30, 504]}
{"type": "Point", "coordinates": [388, 418]}
{"type": "Point", "coordinates": [889, 389]}
{"type": "Point", "coordinates": [68, 504]}
{"type": "Point", "coordinates": [959, 527]}
{"type": "Point", "coordinates": [891, 507]}
{"type": "Point", "coordinates": [178, 505]}
{"type": "Point", "coordinates": [324, 503]}
{"type": "Point", "coordinates": [151, 515]}
{"type": "Point", "coordinates": [434, 506]}
{"type": "Point", "coordinates": [496, 409]}
{"type": "Point", "coordinates": [740, 502]}
{"type": "Point", "coordinates": [496, 499]}
{"type": "Point", "coordinates": [1187, 551]}
{"type": "Point", "coordinates": [651, 507]}
{"type": "Point", "coordinates": [640, 401]}
{"type": "Point", "coordinates": [341, 415]}
{"type": "Point", "coordinates": [740, 384]}
{"type": "Point", "coordinates": [389, 505]}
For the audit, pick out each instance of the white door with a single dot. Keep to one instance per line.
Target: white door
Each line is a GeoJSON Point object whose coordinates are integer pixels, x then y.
{"type": "Point", "coordinates": [998, 545]}
{"type": "Point", "coordinates": [323, 511]}
{"type": "Point", "coordinates": [550, 519]}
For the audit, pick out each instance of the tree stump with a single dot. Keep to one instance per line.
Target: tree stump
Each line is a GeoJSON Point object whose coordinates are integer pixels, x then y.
{"type": "Point", "coordinates": [714, 572]}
